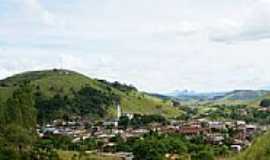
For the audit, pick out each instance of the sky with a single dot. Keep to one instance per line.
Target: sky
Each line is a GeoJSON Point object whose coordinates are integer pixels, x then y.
{"type": "Point", "coordinates": [156, 45]}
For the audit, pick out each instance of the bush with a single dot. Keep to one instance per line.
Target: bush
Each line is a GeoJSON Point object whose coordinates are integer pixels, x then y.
{"type": "Point", "coordinates": [265, 103]}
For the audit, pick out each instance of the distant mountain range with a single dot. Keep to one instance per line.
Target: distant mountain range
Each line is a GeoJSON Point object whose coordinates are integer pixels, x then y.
{"type": "Point", "coordinates": [186, 95]}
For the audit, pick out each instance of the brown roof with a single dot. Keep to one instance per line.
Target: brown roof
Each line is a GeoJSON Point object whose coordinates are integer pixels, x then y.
{"type": "Point", "coordinates": [190, 130]}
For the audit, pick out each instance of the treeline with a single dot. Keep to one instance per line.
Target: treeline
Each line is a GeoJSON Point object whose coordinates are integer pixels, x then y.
{"type": "Point", "coordinates": [139, 120]}
{"type": "Point", "coordinates": [119, 86]}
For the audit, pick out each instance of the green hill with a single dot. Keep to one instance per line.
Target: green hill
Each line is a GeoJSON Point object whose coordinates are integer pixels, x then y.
{"type": "Point", "coordinates": [71, 92]}
{"type": "Point", "coordinates": [259, 150]}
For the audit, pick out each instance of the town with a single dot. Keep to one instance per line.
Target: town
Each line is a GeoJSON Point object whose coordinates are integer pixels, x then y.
{"type": "Point", "coordinates": [235, 134]}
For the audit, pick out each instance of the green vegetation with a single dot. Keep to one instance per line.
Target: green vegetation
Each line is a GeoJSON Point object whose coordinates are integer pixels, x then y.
{"type": "Point", "coordinates": [155, 146]}
{"type": "Point", "coordinates": [17, 123]}
{"type": "Point", "coordinates": [227, 112]}
{"type": "Point", "coordinates": [39, 97]}
{"type": "Point", "coordinates": [87, 102]}
{"type": "Point", "coordinates": [60, 142]}
{"type": "Point", "coordinates": [259, 150]}
{"type": "Point", "coordinates": [35, 97]}
{"type": "Point", "coordinates": [265, 103]}
{"type": "Point", "coordinates": [63, 91]}
{"type": "Point", "coordinates": [73, 155]}
{"type": "Point", "coordinates": [140, 121]}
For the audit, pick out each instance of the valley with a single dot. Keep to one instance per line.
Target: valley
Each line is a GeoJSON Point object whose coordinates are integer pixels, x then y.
{"type": "Point", "coordinates": [64, 115]}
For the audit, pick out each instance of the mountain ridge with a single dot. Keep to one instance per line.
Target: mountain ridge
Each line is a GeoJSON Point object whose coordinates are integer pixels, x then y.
{"type": "Point", "coordinates": [238, 94]}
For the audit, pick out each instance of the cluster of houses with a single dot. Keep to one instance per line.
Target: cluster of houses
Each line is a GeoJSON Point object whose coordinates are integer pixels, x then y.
{"type": "Point", "coordinates": [236, 134]}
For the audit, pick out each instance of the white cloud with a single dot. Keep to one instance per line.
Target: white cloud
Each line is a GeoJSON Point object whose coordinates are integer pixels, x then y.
{"type": "Point", "coordinates": [34, 8]}
{"type": "Point", "coordinates": [253, 24]}
{"type": "Point", "coordinates": [156, 45]}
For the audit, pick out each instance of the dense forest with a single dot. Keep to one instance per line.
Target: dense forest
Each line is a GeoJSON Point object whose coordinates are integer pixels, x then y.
{"type": "Point", "coordinates": [87, 102]}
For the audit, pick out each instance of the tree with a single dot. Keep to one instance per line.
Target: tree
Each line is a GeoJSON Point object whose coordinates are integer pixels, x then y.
{"type": "Point", "coordinates": [203, 155]}
{"type": "Point", "coordinates": [149, 149]}
{"type": "Point", "coordinates": [8, 154]}
{"type": "Point", "coordinates": [155, 146]}
{"type": "Point", "coordinates": [176, 103]}
{"type": "Point", "coordinates": [18, 136]}
{"type": "Point", "coordinates": [124, 122]}
{"type": "Point", "coordinates": [90, 100]}
{"type": "Point", "coordinates": [20, 108]}
{"type": "Point", "coordinates": [18, 120]}
{"type": "Point", "coordinates": [265, 103]}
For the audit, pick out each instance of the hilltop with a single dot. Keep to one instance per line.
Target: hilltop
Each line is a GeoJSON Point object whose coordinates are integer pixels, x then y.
{"type": "Point", "coordinates": [63, 88]}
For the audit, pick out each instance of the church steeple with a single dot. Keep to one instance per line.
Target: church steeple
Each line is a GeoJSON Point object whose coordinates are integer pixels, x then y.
{"type": "Point", "coordinates": [119, 111]}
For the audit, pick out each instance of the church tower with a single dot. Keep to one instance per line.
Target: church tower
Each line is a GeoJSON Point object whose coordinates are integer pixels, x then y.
{"type": "Point", "coordinates": [119, 112]}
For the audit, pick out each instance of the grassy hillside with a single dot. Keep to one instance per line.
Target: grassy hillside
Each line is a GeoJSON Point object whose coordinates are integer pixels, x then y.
{"type": "Point", "coordinates": [66, 83]}
{"type": "Point", "coordinates": [259, 150]}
